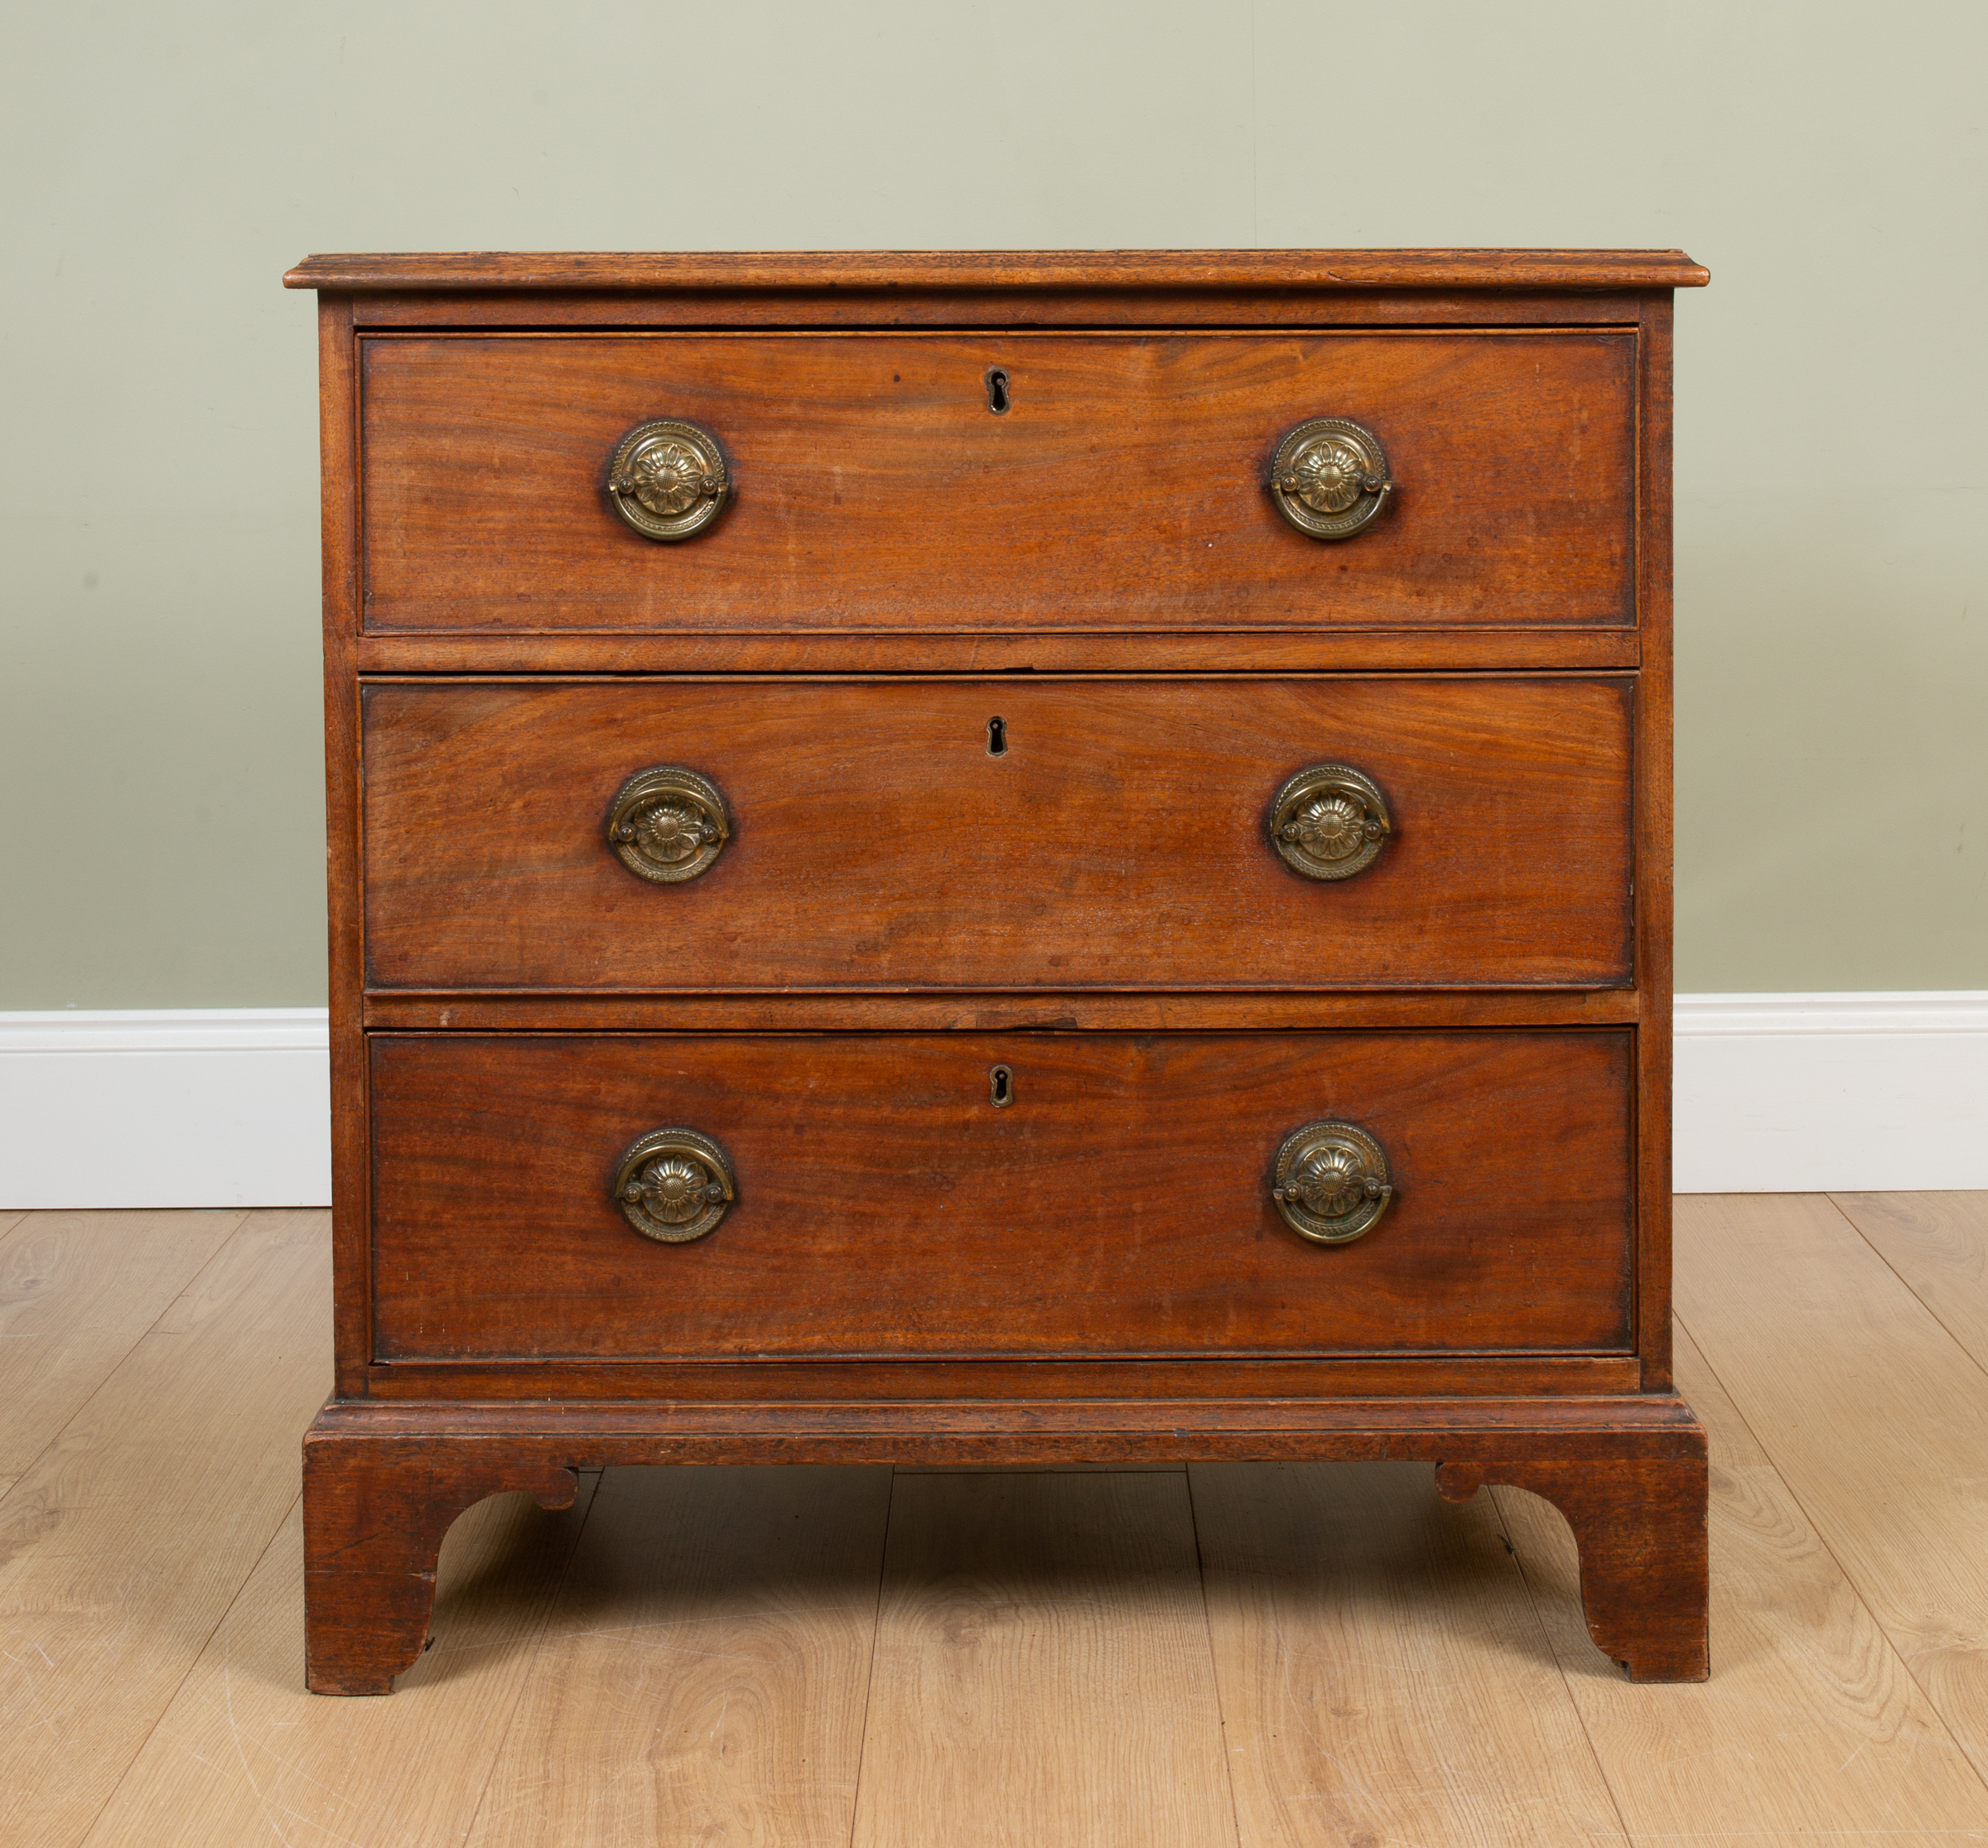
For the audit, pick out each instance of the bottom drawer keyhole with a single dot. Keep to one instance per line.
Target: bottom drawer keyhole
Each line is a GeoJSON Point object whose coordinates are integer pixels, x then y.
{"type": "Point", "coordinates": [1000, 1087]}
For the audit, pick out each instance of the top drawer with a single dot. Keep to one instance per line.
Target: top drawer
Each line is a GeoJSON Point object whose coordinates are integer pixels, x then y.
{"type": "Point", "coordinates": [873, 487]}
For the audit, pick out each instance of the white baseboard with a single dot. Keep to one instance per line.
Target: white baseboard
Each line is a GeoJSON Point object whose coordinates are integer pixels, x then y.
{"type": "Point", "coordinates": [1831, 1092]}
{"type": "Point", "coordinates": [231, 1106]}
{"type": "Point", "coordinates": [192, 1107]}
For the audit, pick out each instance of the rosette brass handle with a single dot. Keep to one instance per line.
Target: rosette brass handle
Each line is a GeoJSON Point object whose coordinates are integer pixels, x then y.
{"type": "Point", "coordinates": [668, 479]}
{"type": "Point", "coordinates": [1330, 478]}
{"type": "Point", "coordinates": [1329, 822]}
{"type": "Point", "coordinates": [667, 824]}
{"type": "Point", "coordinates": [673, 1184]}
{"type": "Point", "coordinates": [1331, 1182]}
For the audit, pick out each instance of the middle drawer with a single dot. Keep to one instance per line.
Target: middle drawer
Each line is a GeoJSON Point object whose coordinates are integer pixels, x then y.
{"type": "Point", "coordinates": [1301, 832]}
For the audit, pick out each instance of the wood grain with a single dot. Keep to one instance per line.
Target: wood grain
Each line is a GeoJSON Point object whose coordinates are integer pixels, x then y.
{"type": "Point", "coordinates": [1383, 1677]}
{"type": "Point", "coordinates": [1120, 1206]}
{"type": "Point", "coordinates": [375, 1519]}
{"type": "Point", "coordinates": [1938, 1243]}
{"type": "Point", "coordinates": [874, 490]}
{"type": "Point", "coordinates": [1476, 650]}
{"type": "Point", "coordinates": [78, 1291]}
{"type": "Point", "coordinates": [338, 462]}
{"type": "Point", "coordinates": [1122, 839]}
{"type": "Point", "coordinates": [1042, 1671]}
{"type": "Point", "coordinates": [123, 1545]}
{"type": "Point", "coordinates": [1655, 845]}
{"type": "Point", "coordinates": [891, 270]}
{"type": "Point", "coordinates": [1055, 1011]}
{"type": "Point", "coordinates": [703, 1677]}
{"type": "Point", "coordinates": [1075, 307]}
{"type": "Point", "coordinates": [1874, 1416]}
{"type": "Point", "coordinates": [244, 1756]}
{"type": "Point", "coordinates": [1811, 1728]}
{"type": "Point", "coordinates": [732, 1383]}
{"type": "Point", "coordinates": [1640, 1529]}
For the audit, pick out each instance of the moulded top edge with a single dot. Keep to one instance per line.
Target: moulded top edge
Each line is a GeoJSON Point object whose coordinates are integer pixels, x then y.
{"type": "Point", "coordinates": [882, 270]}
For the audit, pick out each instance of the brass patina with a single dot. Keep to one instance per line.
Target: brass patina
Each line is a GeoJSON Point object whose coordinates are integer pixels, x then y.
{"type": "Point", "coordinates": [1330, 478]}
{"type": "Point", "coordinates": [668, 479]}
{"type": "Point", "coordinates": [673, 1184]}
{"type": "Point", "coordinates": [1329, 822]}
{"type": "Point", "coordinates": [667, 824]}
{"type": "Point", "coordinates": [1331, 1182]}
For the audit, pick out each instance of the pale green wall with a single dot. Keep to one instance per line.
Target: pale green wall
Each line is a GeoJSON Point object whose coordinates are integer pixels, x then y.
{"type": "Point", "coordinates": [163, 164]}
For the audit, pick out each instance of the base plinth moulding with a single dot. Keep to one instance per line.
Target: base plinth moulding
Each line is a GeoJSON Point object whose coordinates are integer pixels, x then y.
{"type": "Point", "coordinates": [383, 1482]}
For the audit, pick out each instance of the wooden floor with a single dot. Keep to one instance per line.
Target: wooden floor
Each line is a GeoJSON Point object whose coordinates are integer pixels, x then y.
{"type": "Point", "coordinates": [1319, 1654]}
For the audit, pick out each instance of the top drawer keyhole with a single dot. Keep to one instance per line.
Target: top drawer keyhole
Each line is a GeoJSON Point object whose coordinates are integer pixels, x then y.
{"type": "Point", "coordinates": [997, 737]}
{"type": "Point", "coordinates": [997, 391]}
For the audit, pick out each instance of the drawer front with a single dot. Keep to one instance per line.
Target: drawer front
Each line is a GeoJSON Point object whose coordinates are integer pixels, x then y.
{"type": "Point", "coordinates": [873, 488]}
{"type": "Point", "coordinates": [1119, 1204]}
{"type": "Point", "coordinates": [1121, 837]}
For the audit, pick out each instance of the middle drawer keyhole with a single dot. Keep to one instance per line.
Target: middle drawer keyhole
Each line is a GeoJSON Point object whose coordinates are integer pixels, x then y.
{"type": "Point", "coordinates": [997, 737]}
{"type": "Point", "coordinates": [1000, 1087]}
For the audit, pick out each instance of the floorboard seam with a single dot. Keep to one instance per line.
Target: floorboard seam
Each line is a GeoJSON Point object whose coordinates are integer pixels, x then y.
{"type": "Point", "coordinates": [1877, 1251]}
{"type": "Point", "coordinates": [1546, 1636]}
{"type": "Point", "coordinates": [200, 1655]}
{"type": "Point", "coordinates": [533, 1646]}
{"type": "Point", "coordinates": [876, 1624]}
{"type": "Point", "coordinates": [138, 1341]}
{"type": "Point", "coordinates": [1856, 1590]}
{"type": "Point", "coordinates": [1215, 1666]}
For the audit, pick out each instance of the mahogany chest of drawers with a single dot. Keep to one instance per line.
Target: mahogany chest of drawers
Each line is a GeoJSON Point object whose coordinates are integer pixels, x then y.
{"type": "Point", "coordinates": [1002, 857]}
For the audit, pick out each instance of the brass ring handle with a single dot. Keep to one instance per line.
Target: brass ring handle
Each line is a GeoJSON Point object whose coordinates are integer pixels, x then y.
{"type": "Point", "coordinates": [667, 824]}
{"type": "Point", "coordinates": [1331, 1182]}
{"type": "Point", "coordinates": [668, 479]}
{"type": "Point", "coordinates": [673, 1184]}
{"type": "Point", "coordinates": [1329, 822]}
{"type": "Point", "coordinates": [1330, 479]}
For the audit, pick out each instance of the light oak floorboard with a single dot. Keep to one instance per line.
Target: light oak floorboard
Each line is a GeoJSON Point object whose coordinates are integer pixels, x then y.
{"type": "Point", "coordinates": [1811, 1728]}
{"type": "Point", "coordinates": [702, 1677]}
{"type": "Point", "coordinates": [124, 1543]}
{"type": "Point", "coordinates": [1042, 1669]}
{"type": "Point", "coordinates": [8, 1221]}
{"type": "Point", "coordinates": [1384, 1677]}
{"type": "Point", "coordinates": [245, 1756]}
{"type": "Point", "coordinates": [77, 1292]}
{"type": "Point", "coordinates": [1874, 1415]}
{"type": "Point", "coordinates": [1938, 1243]}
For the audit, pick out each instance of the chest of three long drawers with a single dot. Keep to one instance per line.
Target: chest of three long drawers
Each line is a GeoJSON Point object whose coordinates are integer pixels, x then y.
{"type": "Point", "coordinates": [1049, 863]}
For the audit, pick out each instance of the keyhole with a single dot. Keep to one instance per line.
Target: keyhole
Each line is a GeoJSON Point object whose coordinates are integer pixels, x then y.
{"type": "Point", "coordinates": [997, 391]}
{"type": "Point", "coordinates": [997, 737]}
{"type": "Point", "coordinates": [1000, 1087]}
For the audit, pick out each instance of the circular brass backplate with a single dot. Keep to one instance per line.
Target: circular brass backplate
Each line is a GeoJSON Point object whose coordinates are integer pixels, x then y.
{"type": "Point", "coordinates": [1330, 478]}
{"type": "Point", "coordinates": [673, 1184]}
{"type": "Point", "coordinates": [668, 479]}
{"type": "Point", "coordinates": [1329, 822]}
{"type": "Point", "coordinates": [667, 824]}
{"type": "Point", "coordinates": [1331, 1182]}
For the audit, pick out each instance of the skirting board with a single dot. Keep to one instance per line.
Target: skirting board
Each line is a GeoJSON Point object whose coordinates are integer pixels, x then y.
{"type": "Point", "coordinates": [193, 1106]}
{"type": "Point", "coordinates": [1853, 1094]}
{"type": "Point", "coordinates": [231, 1106]}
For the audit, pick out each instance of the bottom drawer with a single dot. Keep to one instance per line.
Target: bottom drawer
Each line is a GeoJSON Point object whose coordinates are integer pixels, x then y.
{"type": "Point", "coordinates": [884, 1205]}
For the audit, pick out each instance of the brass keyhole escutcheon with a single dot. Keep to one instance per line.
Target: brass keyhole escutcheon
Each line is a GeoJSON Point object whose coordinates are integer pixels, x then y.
{"type": "Point", "coordinates": [1000, 1087]}
{"type": "Point", "coordinates": [668, 479]}
{"type": "Point", "coordinates": [1330, 478]}
{"type": "Point", "coordinates": [668, 824]}
{"type": "Point", "coordinates": [1329, 822]}
{"type": "Point", "coordinates": [1331, 1183]}
{"type": "Point", "coordinates": [673, 1184]}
